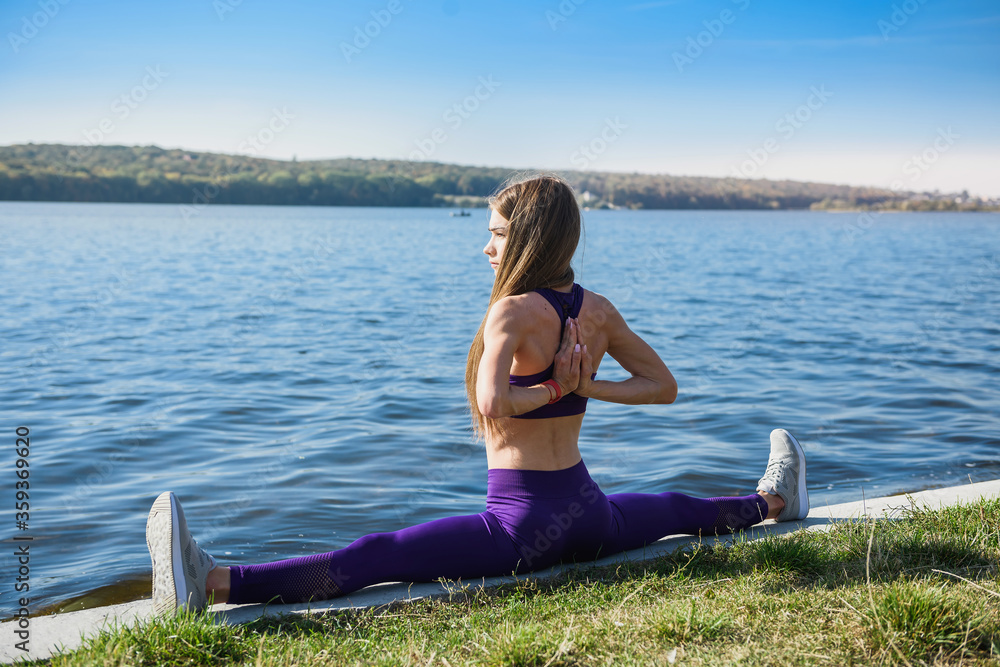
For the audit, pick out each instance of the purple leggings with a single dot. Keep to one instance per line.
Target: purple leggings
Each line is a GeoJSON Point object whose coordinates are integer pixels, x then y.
{"type": "Point", "coordinates": [533, 520]}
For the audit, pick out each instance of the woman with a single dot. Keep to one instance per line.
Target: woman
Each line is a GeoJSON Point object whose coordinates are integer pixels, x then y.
{"type": "Point", "coordinates": [530, 372]}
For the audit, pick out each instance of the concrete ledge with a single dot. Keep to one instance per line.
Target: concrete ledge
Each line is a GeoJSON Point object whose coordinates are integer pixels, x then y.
{"type": "Point", "coordinates": [60, 632]}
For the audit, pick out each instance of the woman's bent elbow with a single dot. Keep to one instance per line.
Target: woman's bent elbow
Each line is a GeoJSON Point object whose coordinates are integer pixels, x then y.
{"type": "Point", "coordinates": [491, 409]}
{"type": "Point", "coordinates": [668, 393]}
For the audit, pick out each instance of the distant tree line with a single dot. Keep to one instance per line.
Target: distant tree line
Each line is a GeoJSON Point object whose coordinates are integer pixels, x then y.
{"type": "Point", "coordinates": [321, 189]}
{"type": "Point", "coordinates": [918, 203]}
{"type": "Point", "coordinates": [47, 172]}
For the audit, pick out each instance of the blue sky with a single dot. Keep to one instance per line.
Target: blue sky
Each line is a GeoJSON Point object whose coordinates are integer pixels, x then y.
{"type": "Point", "coordinates": [897, 94]}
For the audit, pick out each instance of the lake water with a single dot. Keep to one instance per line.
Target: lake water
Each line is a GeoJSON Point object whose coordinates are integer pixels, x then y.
{"type": "Point", "coordinates": [296, 374]}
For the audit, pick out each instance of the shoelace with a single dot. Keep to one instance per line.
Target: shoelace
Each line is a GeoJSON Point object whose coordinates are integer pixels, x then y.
{"type": "Point", "coordinates": [775, 472]}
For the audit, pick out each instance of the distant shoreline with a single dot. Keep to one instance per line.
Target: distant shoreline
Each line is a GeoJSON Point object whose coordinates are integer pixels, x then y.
{"type": "Point", "coordinates": [446, 208]}
{"type": "Point", "coordinates": [192, 180]}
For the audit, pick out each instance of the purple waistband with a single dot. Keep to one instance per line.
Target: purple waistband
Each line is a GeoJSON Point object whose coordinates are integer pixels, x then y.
{"type": "Point", "coordinates": [563, 483]}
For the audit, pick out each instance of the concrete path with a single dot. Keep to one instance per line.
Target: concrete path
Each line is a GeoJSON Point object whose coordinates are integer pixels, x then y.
{"type": "Point", "coordinates": [50, 634]}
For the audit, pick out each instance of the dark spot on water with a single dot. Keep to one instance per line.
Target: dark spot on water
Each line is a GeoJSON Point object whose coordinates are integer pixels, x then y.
{"type": "Point", "coordinates": [133, 587]}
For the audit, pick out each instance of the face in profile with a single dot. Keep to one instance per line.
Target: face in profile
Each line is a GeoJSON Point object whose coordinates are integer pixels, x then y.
{"type": "Point", "coordinates": [498, 239]}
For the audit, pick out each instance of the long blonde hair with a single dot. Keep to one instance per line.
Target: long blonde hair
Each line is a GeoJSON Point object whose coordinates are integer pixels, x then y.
{"type": "Point", "coordinates": [543, 230]}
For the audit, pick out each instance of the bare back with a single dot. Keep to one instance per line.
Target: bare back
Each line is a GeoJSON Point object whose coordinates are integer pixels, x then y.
{"type": "Point", "coordinates": [546, 444]}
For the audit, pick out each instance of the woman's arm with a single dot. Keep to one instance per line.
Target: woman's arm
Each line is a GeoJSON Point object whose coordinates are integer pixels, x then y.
{"type": "Point", "coordinates": [507, 325]}
{"type": "Point", "coordinates": [651, 381]}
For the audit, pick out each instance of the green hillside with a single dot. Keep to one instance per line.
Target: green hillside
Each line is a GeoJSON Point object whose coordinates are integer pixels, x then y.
{"type": "Point", "coordinates": [49, 172]}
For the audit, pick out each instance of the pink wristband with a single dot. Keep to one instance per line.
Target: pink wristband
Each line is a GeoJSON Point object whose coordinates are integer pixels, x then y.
{"type": "Point", "coordinates": [554, 385]}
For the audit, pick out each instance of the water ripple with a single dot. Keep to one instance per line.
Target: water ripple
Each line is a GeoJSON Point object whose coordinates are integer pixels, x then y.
{"type": "Point", "coordinates": [296, 374]}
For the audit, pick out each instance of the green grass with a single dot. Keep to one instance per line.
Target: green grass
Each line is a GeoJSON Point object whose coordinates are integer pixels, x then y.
{"type": "Point", "coordinates": [923, 589]}
{"type": "Point", "coordinates": [185, 639]}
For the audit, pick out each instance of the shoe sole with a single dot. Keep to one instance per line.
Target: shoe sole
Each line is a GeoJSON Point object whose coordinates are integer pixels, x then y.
{"type": "Point", "coordinates": [803, 493]}
{"type": "Point", "coordinates": [163, 543]}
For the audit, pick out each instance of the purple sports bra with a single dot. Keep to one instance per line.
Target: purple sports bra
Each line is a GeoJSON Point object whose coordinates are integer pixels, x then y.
{"type": "Point", "coordinates": [566, 305]}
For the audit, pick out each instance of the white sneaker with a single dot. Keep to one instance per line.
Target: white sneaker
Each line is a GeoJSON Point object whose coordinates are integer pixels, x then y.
{"type": "Point", "coordinates": [180, 566]}
{"type": "Point", "coordinates": [786, 475]}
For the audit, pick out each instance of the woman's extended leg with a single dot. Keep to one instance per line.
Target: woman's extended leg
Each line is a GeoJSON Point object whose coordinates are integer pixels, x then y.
{"type": "Point", "coordinates": [453, 547]}
{"type": "Point", "coordinates": [533, 519]}
{"type": "Point", "coordinates": [639, 519]}
{"type": "Point", "coordinates": [642, 518]}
